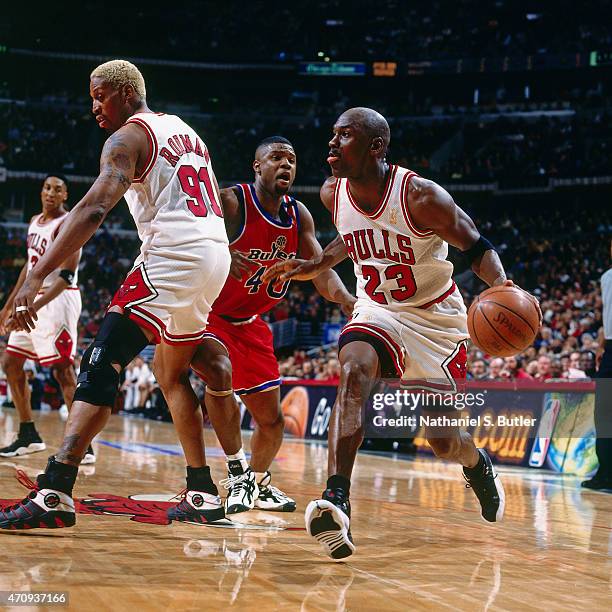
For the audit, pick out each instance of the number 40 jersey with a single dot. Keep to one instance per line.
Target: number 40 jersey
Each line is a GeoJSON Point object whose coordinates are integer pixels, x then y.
{"type": "Point", "coordinates": [264, 240]}
{"type": "Point", "coordinates": [396, 265]}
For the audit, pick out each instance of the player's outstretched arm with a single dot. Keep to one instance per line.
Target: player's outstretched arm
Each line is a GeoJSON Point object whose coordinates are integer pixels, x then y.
{"type": "Point", "coordinates": [118, 161]}
{"type": "Point", "coordinates": [332, 254]}
{"type": "Point", "coordinates": [60, 283]}
{"type": "Point", "coordinates": [328, 283]}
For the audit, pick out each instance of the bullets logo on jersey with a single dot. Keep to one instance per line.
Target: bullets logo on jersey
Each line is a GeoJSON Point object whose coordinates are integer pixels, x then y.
{"type": "Point", "coordinates": [275, 252]}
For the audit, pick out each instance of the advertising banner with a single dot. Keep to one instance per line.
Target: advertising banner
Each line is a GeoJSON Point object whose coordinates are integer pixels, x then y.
{"type": "Point", "coordinates": [542, 426]}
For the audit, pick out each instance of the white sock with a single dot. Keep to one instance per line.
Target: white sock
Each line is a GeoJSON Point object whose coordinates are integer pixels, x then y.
{"type": "Point", "coordinates": [259, 476]}
{"type": "Point", "coordinates": [239, 456]}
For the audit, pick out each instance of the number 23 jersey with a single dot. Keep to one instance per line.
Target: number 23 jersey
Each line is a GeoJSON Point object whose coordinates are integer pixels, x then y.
{"type": "Point", "coordinates": [264, 240]}
{"type": "Point", "coordinates": [396, 265]}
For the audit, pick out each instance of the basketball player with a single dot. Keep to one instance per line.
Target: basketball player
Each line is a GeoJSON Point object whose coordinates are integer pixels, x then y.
{"type": "Point", "coordinates": [409, 319]}
{"type": "Point", "coordinates": [53, 343]}
{"type": "Point", "coordinates": [163, 169]}
{"type": "Point", "coordinates": [265, 225]}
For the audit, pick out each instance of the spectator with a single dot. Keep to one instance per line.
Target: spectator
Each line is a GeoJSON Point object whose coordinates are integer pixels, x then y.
{"type": "Point", "coordinates": [333, 372]}
{"type": "Point", "coordinates": [477, 370]}
{"type": "Point", "coordinates": [556, 370]}
{"type": "Point", "coordinates": [543, 368]}
{"type": "Point", "coordinates": [514, 370]}
{"type": "Point", "coordinates": [574, 371]}
{"type": "Point", "coordinates": [587, 363]}
{"type": "Point", "coordinates": [308, 370]}
{"type": "Point", "coordinates": [495, 369]}
{"type": "Point", "coordinates": [532, 368]}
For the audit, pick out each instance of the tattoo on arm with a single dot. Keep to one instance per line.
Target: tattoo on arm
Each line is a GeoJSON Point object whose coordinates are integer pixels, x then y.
{"type": "Point", "coordinates": [66, 452]}
{"type": "Point", "coordinates": [117, 162]}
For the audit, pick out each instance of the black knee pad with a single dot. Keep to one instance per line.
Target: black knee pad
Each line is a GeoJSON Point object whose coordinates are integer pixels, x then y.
{"type": "Point", "coordinates": [119, 340]}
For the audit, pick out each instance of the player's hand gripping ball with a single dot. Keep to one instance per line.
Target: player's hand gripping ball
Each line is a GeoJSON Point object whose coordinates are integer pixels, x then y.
{"type": "Point", "coordinates": [504, 320]}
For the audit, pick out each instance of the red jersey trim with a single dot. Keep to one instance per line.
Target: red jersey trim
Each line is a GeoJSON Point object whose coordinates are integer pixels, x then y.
{"type": "Point", "coordinates": [383, 202]}
{"type": "Point", "coordinates": [394, 349]}
{"type": "Point", "coordinates": [406, 210]}
{"type": "Point", "coordinates": [157, 326]}
{"type": "Point", "coordinates": [152, 148]}
{"type": "Point", "coordinates": [141, 318]}
{"type": "Point", "coordinates": [440, 298]}
{"type": "Point", "coordinates": [424, 384]}
{"type": "Point", "coordinates": [336, 201]}
{"type": "Point", "coordinates": [48, 361]}
{"type": "Point", "coordinates": [17, 350]}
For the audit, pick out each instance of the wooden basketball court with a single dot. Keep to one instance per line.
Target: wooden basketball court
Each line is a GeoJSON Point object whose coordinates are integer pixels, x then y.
{"type": "Point", "coordinates": [421, 544]}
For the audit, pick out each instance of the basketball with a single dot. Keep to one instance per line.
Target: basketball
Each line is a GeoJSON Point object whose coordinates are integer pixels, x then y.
{"type": "Point", "coordinates": [503, 321]}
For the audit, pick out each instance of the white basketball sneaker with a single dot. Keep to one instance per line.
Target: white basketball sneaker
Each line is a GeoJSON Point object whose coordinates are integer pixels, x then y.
{"type": "Point", "coordinates": [242, 488]}
{"type": "Point", "coordinates": [271, 498]}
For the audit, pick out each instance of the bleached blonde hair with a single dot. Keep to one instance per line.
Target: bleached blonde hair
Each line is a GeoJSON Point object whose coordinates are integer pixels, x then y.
{"type": "Point", "coordinates": [119, 73]}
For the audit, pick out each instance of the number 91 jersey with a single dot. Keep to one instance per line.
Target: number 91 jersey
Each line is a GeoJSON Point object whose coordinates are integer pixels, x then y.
{"type": "Point", "coordinates": [174, 202]}
{"type": "Point", "coordinates": [396, 265]}
{"type": "Point", "coordinates": [264, 240]}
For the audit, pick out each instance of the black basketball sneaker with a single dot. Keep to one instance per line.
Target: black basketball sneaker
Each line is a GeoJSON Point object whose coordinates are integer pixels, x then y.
{"type": "Point", "coordinates": [328, 521]}
{"type": "Point", "coordinates": [197, 507]}
{"type": "Point", "coordinates": [597, 483]}
{"type": "Point", "coordinates": [43, 507]}
{"type": "Point", "coordinates": [24, 444]}
{"type": "Point", "coordinates": [487, 486]}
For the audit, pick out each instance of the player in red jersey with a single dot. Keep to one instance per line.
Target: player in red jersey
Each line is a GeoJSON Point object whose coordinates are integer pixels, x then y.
{"type": "Point", "coordinates": [265, 226]}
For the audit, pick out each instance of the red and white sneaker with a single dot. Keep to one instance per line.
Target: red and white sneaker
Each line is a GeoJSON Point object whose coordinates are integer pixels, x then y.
{"type": "Point", "coordinates": [42, 508]}
{"type": "Point", "coordinates": [197, 507]}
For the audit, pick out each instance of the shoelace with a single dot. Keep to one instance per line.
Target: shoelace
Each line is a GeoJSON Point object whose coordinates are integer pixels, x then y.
{"type": "Point", "coordinates": [180, 495]}
{"type": "Point", "coordinates": [27, 482]}
{"type": "Point", "coordinates": [239, 480]}
{"type": "Point", "coordinates": [273, 490]}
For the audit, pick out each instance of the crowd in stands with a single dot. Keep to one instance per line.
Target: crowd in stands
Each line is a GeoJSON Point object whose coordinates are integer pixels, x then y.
{"type": "Point", "coordinates": [506, 147]}
{"type": "Point", "coordinates": [558, 255]}
{"type": "Point", "coordinates": [355, 30]}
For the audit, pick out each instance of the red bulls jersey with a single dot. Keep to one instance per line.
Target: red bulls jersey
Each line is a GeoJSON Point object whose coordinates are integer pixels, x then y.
{"type": "Point", "coordinates": [265, 240]}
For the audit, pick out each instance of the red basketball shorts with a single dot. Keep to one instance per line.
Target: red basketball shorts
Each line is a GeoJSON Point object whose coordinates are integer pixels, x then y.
{"type": "Point", "coordinates": [251, 351]}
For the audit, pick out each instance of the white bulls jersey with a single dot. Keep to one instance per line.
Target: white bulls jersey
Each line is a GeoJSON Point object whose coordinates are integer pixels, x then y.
{"type": "Point", "coordinates": [173, 201]}
{"type": "Point", "coordinates": [40, 236]}
{"type": "Point", "coordinates": [396, 265]}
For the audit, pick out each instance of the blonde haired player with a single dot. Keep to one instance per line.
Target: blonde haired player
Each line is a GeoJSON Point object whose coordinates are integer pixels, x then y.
{"type": "Point", "coordinates": [53, 343]}
{"type": "Point", "coordinates": [163, 169]}
{"type": "Point", "coordinates": [409, 320]}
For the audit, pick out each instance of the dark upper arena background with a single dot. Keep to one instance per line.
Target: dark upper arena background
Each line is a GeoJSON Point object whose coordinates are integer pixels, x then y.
{"type": "Point", "coordinates": [508, 106]}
